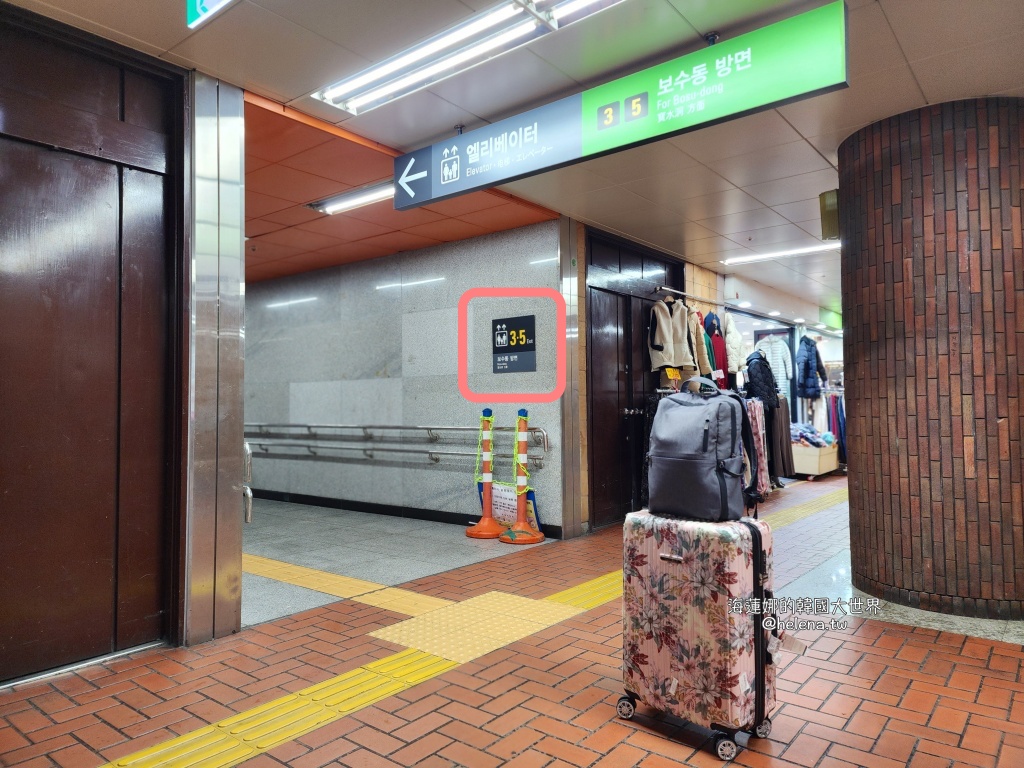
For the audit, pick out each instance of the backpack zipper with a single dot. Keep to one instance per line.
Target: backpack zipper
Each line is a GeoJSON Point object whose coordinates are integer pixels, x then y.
{"type": "Point", "coordinates": [707, 426]}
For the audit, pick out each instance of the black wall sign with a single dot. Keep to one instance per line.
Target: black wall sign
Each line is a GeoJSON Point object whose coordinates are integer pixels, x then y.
{"type": "Point", "coordinates": [513, 344]}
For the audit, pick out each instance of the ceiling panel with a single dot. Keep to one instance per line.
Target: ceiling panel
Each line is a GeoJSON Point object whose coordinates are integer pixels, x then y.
{"type": "Point", "coordinates": [657, 159]}
{"type": "Point", "coordinates": [794, 188]}
{"type": "Point", "coordinates": [257, 205]}
{"type": "Point", "coordinates": [257, 49]}
{"type": "Point", "coordinates": [507, 216]}
{"type": "Point", "coordinates": [289, 184]}
{"type": "Point", "coordinates": [644, 219]}
{"type": "Point", "coordinates": [681, 233]}
{"type": "Point", "coordinates": [506, 85]}
{"type": "Point", "coordinates": [780, 238]}
{"type": "Point", "coordinates": [634, 31]}
{"type": "Point", "coordinates": [384, 213]}
{"type": "Point", "coordinates": [447, 229]}
{"type": "Point", "coordinates": [151, 27]}
{"type": "Point", "coordinates": [343, 161]}
{"type": "Point", "coordinates": [770, 163]}
{"type": "Point", "coordinates": [946, 78]}
{"type": "Point", "coordinates": [802, 210]}
{"type": "Point", "coordinates": [670, 189]}
{"type": "Point", "coordinates": [357, 251]}
{"type": "Point", "coordinates": [710, 246]}
{"type": "Point", "coordinates": [302, 239]}
{"type": "Point", "coordinates": [743, 221]}
{"type": "Point", "coordinates": [345, 228]}
{"type": "Point", "coordinates": [562, 185]}
{"type": "Point", "coordinates": [474, 201]}
{"type": "Point", "coordinates": [923, 28]}
{"type": "Point", "coordinates": [606, 202]}
{"type": "Point", "coordinates": [297, 214]}
{"type": "Point", "coordinates": [715, 204]}
{"type": "Point", "coordinates": [737, 137]}
{"type": "Point", "coordinates": [374, 30]}
{"type": "Point", "coordinates": [413, 122]}
{"type": "Point", "coordinates": [401, 241]}
{"type": "Point", "coordinates": [716, 16]}
{"type": "Point", "coordinates": [869, 23]}
{"type": "Point", "coordinates": [257, 227]}
{"type": "Point", "coordinates": [271, 137]}
{"type": "Point", "coordinates": [259, 250]}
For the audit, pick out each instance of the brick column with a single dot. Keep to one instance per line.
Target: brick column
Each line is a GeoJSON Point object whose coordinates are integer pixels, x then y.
{"type": "Point", "coordinates": [933, 302]}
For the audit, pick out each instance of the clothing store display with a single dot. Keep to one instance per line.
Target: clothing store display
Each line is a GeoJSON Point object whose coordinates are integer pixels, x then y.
{"type": "Point", "coordinates": [697, 445]}
{"type": "Point", "coordinates": [809, 369]}
{"type": "Point", "coordinates": [683, 653]}
{"type": "Point", "coordinates": [761, 381]}
{"type": "Point", "coordinates": [836, 406]}
{"type": "Point", "coordinates": [733, 343]}
{"type": "Point", "coordinates": [759, 461]}
{"type": "Point", "coordinates": [668, 329]}
{"type": "Point", "coordinates": [779, 356]}
{"type": "Point", "coordinates": [713, 327]}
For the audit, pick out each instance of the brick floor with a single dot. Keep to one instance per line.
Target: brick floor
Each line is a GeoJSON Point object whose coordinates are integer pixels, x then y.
{"type": "Point", "coordinates": [875, 695]}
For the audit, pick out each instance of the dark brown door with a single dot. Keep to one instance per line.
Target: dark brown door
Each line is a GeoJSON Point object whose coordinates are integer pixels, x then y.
{"type": "Point", "coordinates": [85, 260]}
{"type": "Point", "coordinates": [611, 441]}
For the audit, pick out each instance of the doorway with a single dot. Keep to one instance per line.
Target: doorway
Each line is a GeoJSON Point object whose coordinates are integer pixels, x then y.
{"type": "Point", "coordinates": [622, 282]}
{"type": "Point", "coordinates": [87, 269]}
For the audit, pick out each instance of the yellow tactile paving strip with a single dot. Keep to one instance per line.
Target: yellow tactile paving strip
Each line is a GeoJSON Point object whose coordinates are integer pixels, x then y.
{"type": "Point", "coordinates": [792, 514]}
{"type": "Point", "coordinates": [367, 592]}
{"type": "Point", "coordinates": [472, 628]}
{"type": "Point", "coordinates": [592, 593]}
{"type": "Point", "coordinates": [247, 734]}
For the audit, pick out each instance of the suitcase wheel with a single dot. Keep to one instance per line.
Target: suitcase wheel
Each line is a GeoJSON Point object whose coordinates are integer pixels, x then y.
{"type": "Point", "coordinates": [725, 747]}
{"type": "Point", "coordinates": [764, 729]}
{"type": "Point", "coordinates": [625, 708]}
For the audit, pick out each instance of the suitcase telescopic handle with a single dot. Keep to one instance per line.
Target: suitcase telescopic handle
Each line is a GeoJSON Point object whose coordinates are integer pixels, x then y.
{"type": "Point", "coordinates": [672, 558]}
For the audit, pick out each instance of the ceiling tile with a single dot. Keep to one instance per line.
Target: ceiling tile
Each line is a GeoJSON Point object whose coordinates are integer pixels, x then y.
{"type": "Point", "coordinates": [669, 190]}
{"type": "Point", "coordinates": [345, 228]}
{"type": "Point", "coordinates": [256, 49]}
{"type": "Point", "coordinates": [384, 214]}
{"type": "Point", "coordinates": [505, 85]}
{"type": "Point", "coordinates": [794, 188]}
{"type": "Point", "coordinates": [257, 206]}
{"type": "Point", "coordinates": [657, 159]}
{"type": "Point", "coordinates": [946, 77]}
{"type": "Point", "coordinates": [447, 230]}
{"type": "Point", "coordinates": [508, 216]}
{"type": "Point", "coordinates": [811, 227]}
{"type": "Point", "coordinates": [710, 245]}
{"type": "Point", "coordinates": [253, 163]}
{"type": "Point", "coordinates": [767, 239]}
{"type": "Point", "coordinates": [304, 262]}
{"type": "Point", "coordinates": [802, 210]}
{"type": "Point", "coordinates": [713, 259]}
{"type": "Point", "coordinates": [301, 239]}
{"type": "Point", "coordinates": [257, 227]}
{"type": "Point", "coordinates": [924, 27]}
{"type": "Point", "coordinates": [148, 27]}
{"type": "Point", "coordinates": [463, 204]}
{"type": "Point", "coordinates": [737, 137]}
{"type": "Point", "coordinates": [412, 122]}
{"type": "Point", "coordinates": [289, 184]}
{"type": "Point", "coordinates": [743, 221]}
{"type": "Point", "coordinates": [258, 249]}
{"type": "Point", "coordinates": [375, 30]}
{"type": "Point", "coordinates": [642, 219]}
{"type": "Point", "coordinates": [356, 251]}
{"type": "Point", "coordinates": [401, 241]}
{"type": "Point", "coordinates": [880, 50]}
{"type": "Point", "coordinates": [869, 98]}
{"type": "Point", "coordinates": [716, 204]}
{"type": "Point", "coordinates": [735, 17]}
{"type": "Point", "coordinates": [297, 214]}
{"type": "Point", "coordinates": [770, 163]}
{"type": "Point", "coordinates": [610, 201]}
{"type": "Point", "coordinates": [318, 109]}
{"type": "Point", "coordinates": [682, 232]}
{"type": "Point", "coordinates": [557, 187]}
{"type": "Point", "coordinates": [344, 161]}
{"type": "Point", "coordinates": [635, 31]}
{"type": "Point", "coordinates": [272, 137]}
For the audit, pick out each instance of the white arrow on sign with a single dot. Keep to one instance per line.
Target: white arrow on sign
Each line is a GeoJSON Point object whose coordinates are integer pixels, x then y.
{"type": "Point", "coordinates": [406, 177]}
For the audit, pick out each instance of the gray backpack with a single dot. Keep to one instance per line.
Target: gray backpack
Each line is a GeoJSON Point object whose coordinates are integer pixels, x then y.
{"type": "Point", "coordinates": [696, 456]}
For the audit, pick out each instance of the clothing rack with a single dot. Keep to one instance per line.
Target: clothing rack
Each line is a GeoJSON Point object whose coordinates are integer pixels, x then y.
{"type": "Point", "coordinates": [695, 297]}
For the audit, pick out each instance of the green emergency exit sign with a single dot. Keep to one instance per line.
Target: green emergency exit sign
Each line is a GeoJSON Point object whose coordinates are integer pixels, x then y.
{"type": "Point", "coordinates": [198, 11]}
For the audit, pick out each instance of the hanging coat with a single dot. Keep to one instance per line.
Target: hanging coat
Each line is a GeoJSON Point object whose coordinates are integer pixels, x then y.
{"type": "Point", "coordinates": [761, 381]}
{"type": "Point", "coordinates": [808, 368]}
{"type": "Point", "coordinates": [733, 343]}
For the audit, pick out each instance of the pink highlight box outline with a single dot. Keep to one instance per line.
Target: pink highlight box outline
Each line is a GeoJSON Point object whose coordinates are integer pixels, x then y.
{"type": "Point", "coordinates": [513, 293]}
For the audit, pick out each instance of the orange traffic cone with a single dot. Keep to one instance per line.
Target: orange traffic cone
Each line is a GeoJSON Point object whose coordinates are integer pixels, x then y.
{"type": "Point", "coordinates": [488, 527]}
{"type": "Point", "coordinates": [521, 532]}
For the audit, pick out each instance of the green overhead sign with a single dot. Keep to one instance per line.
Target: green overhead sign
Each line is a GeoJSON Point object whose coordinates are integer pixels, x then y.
{"type": "Point", "coordinates": [198, 11]}
{"type": "Point", "coordinates": [792, 59]}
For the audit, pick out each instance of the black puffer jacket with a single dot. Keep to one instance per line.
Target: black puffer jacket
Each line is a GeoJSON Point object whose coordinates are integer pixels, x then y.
{"type": "Point", "coordinates": [808, 369]}
{"type": "Point", "coordinates": [761, 381]}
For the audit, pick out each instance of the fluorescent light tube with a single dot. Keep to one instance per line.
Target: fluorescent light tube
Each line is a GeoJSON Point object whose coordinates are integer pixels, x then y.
{"type": "Point", "coordinates": [277, 304]}
{"type": "Point", "coordinates": [781, 254]}
{"type": "Point", "coordinates": [355, 198]}
{"type": "Point", "coordinates": [406, 285]}
{"type": "Point", "coordinates": [568, 9]}
{"type": "Point", "coordinates": [428, 49]}
{"type": "Point", "coordinates": [434, 69]}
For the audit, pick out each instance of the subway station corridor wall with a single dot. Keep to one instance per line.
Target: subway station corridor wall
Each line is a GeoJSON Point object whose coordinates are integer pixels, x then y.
{"type": "Point", "coordinates": [365, 354]}
{"type": "Point", "coordinates": [933, 298]}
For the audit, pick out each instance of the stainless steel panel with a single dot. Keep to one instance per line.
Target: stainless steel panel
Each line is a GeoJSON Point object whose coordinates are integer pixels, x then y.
{"type": "Point", "coordinates": [227, 611]}
{"type": "Point", "coordinates": [572, 518]}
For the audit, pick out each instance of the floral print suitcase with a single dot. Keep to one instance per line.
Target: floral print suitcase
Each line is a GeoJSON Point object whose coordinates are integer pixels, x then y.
{"type": "Point", "coordinates": [684, 651]}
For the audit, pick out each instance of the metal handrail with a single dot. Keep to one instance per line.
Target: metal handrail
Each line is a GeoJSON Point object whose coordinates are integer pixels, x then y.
{"type": "Point", "coordinates": [540, 436]}
{"type": "Point", "coordinates": [536, 460]}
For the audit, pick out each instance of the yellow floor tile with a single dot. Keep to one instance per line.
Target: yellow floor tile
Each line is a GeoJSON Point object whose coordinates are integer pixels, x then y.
{"type": "Point", "coordinates": [402, 601]}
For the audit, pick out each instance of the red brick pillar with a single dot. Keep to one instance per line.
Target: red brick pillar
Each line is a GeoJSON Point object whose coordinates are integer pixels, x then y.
{"type": "Point", "coordinates": [933, 302]}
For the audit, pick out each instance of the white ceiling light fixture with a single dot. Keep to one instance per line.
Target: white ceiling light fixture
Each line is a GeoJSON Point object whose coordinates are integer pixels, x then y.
{"type": "Point", "coordinates": [799, 320]}
{"type": "Point", "coordinates": [356, 198]}
{"type": "Point", "coordinates": [744, 305]}
{"type": "Point", "coordinates": [775, 313]}
{"type": "Point", "coordinates": [780, 254]}
{"type": "Point", "coordinates": [414, 282]}
{"type": "Point", "coordinates": [821, 326]}
{"type": "Point", "coordinates": [501, 29]}
{"type": "Point", "coordinates": [545, 261]}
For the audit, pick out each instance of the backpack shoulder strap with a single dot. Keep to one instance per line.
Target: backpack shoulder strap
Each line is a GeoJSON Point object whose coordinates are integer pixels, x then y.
{"type": "Point", "coordinates": [747, 433]}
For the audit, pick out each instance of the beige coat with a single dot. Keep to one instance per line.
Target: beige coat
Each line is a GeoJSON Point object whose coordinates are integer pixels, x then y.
{"type": "Point", "coordinates": [733, 343]}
